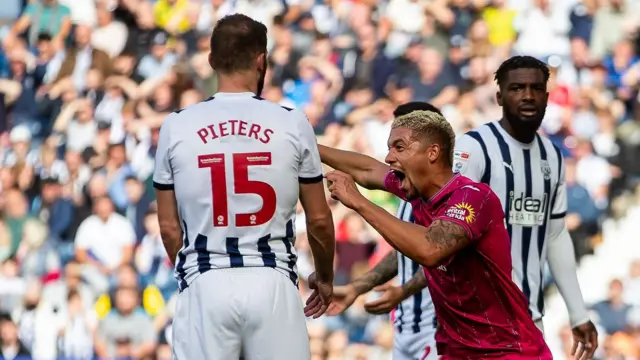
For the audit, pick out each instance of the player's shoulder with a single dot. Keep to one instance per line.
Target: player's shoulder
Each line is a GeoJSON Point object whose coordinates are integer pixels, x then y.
{"type": "Point", "coordinates": [469, 186]}
{"type": "Point", "coordinates": [275, 108]}
{"type": "Point", "coordinates": [475, 139]}
{"type": "Point", "coordinates": [544, 141]}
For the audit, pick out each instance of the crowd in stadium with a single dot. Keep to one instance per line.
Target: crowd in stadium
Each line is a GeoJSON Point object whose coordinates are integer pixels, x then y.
{"type": "Point", "coordinates": [86, 84]}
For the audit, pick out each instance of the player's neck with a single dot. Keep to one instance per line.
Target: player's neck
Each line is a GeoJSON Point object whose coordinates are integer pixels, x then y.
{"type": "Point", "coordinates": [524, 135]}
{"type": "Point", "coordinates": [437, 181]}
{"type": "Point", "coordinates": [237, 83]}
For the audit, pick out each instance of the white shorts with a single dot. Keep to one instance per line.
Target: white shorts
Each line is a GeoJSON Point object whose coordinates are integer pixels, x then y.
{"type": "Point", "coordinates": [252, 312]}
{"type": "Point", "coordinates": [420, 346]}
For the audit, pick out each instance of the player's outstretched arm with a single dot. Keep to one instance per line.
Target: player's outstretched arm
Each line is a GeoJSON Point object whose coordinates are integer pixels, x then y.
{"type": "Point", "coordinates": [366, 171]}
{"type": "Point", "coordinates": [345, 296]}
{"type": "Point", "coordinates": [443, 238]}
{"type": "Point", "coordinates": [427, 246]}
{"type": "Point", "coordinates": [384, 271]}
{"type": "Point", "coordinates": [415, 285]}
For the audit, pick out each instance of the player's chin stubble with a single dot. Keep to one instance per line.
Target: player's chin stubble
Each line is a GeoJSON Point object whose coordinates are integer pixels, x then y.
{"type": "Point", "coordinates": [530, 123]}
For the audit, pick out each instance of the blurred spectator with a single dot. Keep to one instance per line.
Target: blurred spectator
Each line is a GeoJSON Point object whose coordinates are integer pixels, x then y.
{"type": "Point", "coordinates": [125, 332]}
{"type": "Point", "coordinates": [613, 312]}
{"type": "Point", "coordinates": [10, 345]}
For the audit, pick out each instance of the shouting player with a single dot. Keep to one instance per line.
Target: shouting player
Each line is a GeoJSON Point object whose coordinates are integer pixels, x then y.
{"type": "Point", "coordinates": [414, 322]}
{"type": "Point", "coordinates": [459, 238]}
{"type": "Point", "coordinates": [228, 175]}
{"type": "Point", "coordinates": [527, 172]}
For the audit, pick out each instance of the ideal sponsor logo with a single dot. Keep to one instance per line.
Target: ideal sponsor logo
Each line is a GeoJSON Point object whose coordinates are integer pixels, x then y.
{"type": "Point", "coordinates": [527, 211]}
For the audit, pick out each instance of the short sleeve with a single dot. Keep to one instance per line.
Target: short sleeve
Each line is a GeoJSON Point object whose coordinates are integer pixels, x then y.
{"type": "Point", "coordinates": [310, 166]}
{"type": "Point", "coordinates": [162, 173]}
{"type": "Point", "coordinates": [469, 158]}
{"type": "Point", "coordinates": [559, 200]}
{"type": "Point", "coordinates": [471, 207]}
{"type": "Point", "coordinates": [393, 184]}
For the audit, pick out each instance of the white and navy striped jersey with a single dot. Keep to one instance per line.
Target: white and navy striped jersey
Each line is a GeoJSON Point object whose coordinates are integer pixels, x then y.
{"type": "Point", "coordinates": [529, 180]}
{"type": "Point", "coordinates": [414, 314]}
{"type": "Point", "coordinates": [235, 162]}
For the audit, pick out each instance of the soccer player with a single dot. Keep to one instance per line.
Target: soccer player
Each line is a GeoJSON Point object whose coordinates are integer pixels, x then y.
{"type": "Point", "coordinates": [229, 172]}
{"type": "Point", "coordinates": [414, 322]}
{"type": "Point", "coordinates": [527, 172]}
{"type": "Point", "coordinates": [460, 239]}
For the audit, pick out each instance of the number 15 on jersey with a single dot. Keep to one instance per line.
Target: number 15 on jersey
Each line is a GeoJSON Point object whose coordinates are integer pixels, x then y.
{"type": "Point", "coordinates": [241, 185]}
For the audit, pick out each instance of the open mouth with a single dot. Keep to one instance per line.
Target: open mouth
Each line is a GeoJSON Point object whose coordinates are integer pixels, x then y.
{"type": "Point", "coordinates": [404, 183]}
{"type": "Point", "coordinates": [399, 174]}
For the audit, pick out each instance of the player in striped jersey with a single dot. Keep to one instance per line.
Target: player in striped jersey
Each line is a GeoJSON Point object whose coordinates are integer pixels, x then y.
{"type": "Point", "coordinates": [229, 172]}
{"type": "Point", "coordinates": [414, 321]}
{"type": "Point", "coordinates": [527, 172]}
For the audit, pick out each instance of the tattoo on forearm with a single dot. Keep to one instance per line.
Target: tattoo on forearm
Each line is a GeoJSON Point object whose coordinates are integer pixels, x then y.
{"type": "Point", "coordinates": [416, 284]}
{"type": "Point", "coordinates": [386, 270]}
{"type": "Point", "coordinates": [446, 235]}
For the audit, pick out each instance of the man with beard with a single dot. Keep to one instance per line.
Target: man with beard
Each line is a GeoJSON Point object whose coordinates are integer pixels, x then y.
{"type": "Point", "coordinates": [228, 174]}
{"type": "Point", "coordinates": [527, 172]}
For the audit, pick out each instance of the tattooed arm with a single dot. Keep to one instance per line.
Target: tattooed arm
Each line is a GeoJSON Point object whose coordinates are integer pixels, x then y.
{"type": "Point", "coordinates": [443, 238]}
{"type": "Point", "coordinates": [384, 271]}
{"type": "Point", "coordinates": [415, 285]}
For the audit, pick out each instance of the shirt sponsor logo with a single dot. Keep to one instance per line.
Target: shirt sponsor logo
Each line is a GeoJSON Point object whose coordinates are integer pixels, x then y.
{"type": "Point", "coordinates": [527, 211]}
{"type": "Point", "coordinates": [462, 211]}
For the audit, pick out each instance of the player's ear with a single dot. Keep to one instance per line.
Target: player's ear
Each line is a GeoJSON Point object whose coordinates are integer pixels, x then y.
{"type": "Point", "coordinates": [499, 97]}
{"type": "Point", "coordinates": [261, 62]}
{"type": "Point", "coordinates": [434, 152]}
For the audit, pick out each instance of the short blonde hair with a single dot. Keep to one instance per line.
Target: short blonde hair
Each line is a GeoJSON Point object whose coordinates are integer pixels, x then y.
{"type": "Point", "coordinates": [431, 126]}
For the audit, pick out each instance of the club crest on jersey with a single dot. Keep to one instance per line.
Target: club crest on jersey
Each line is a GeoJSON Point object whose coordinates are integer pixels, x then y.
{"type": "Point", "coordinates": [546, 169]}
{"type": "Point", "coordinates": [462, 211]}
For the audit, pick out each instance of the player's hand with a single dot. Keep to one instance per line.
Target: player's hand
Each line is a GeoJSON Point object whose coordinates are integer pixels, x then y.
{"type": "Point", "coordinates": [343, 298]}
{"type": "Point", "coordinates": [343, 188]}
{"type": "Point", "coordinates": [585, 341]}
{"type": "Point", "coordinates": [390, 298]}
{"type": "Point", "coordinates": [320, 298]}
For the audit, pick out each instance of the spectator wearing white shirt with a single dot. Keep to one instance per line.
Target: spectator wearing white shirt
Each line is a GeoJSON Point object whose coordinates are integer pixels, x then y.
{"type": "Point", "coordinates": [104, 242]}
{"type": "Point", "coordinates": [547, 22]}
{"type": "Point", "coordinates": [82, 11]}
{"type": "Point", "coordinates": [110, 36]}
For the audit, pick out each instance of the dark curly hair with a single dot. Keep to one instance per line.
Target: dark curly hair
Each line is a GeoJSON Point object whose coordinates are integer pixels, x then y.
{"type": "Point", "coordinates": [520, 62]}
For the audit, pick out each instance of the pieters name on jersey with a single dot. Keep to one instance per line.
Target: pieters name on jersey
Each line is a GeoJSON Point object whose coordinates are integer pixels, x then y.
{"type": "Point", "coordinates": [235, 127]}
